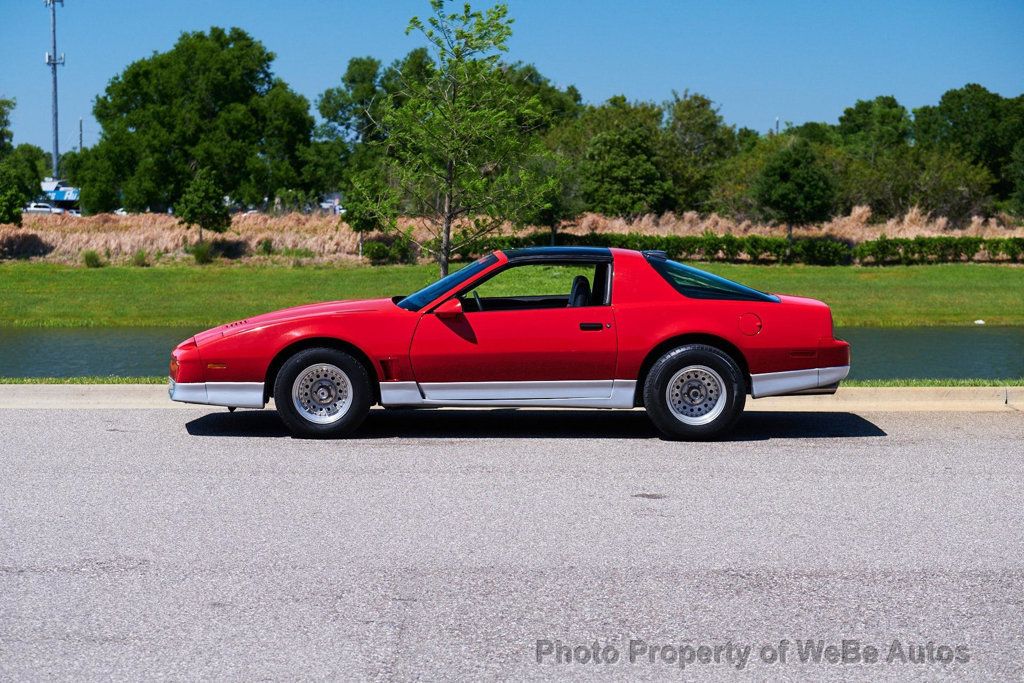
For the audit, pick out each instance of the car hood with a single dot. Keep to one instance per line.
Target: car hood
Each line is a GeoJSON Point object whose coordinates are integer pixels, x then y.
{"type": "Point", "coordinates": [294, 313]}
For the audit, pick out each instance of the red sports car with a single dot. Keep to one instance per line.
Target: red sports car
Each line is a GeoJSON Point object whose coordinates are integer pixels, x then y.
{"type": "Point", "coordinates": [579, 327]}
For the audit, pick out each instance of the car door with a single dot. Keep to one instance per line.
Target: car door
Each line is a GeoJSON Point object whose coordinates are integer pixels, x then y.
{"type": "Point", "coordinates": [541, 348]}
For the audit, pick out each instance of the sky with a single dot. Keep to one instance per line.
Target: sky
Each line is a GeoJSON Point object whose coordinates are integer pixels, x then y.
{"type": "Point", "coordinates": [798, 61]}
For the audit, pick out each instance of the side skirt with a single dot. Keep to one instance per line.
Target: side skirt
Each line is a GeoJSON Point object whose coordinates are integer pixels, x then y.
{"type": "Point", "coordinates": [617, 393]}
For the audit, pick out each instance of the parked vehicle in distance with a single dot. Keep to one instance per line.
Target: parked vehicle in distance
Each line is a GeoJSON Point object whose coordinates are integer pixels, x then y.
{"type": "Point", "coordinates": [120, 212]}
{"type": "Point", "coordinates": [578, 327]}
{"type": "Point", "coordinates": [74, 212]}
{"type": "Point", "coordinates": [41, 207]}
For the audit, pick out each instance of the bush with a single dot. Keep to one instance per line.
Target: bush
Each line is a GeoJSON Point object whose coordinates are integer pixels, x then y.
{"type": "Point", "coordinates": [203, 252]}
{"type": "Point", "coordinates": [1012, 248]}
{"type": "Point", "coordinates": [822, 251]}
{"type": "Point", "coordinates": [140, 259]}
{"type": "Point", "coordinates": [391, 249]}
{"type": "Point", "coordinates": [91, 259]}
{"type": "Point", "coordinates": [265, 247]}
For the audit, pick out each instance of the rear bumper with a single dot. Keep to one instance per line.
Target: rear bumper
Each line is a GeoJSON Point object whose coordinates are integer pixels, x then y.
{"type": "Point", "coordinates": [230, 394]}
{"type": "Point", "coordinates": [810, 381]}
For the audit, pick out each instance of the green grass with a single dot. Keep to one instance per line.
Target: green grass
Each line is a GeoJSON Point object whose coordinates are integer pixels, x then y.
{"type": "Point", "coordinates": [50, 295]}
{"type": "Point", "coordinates": [1018, 382]}
{"type": "Point", "coordinates": [95, 379]}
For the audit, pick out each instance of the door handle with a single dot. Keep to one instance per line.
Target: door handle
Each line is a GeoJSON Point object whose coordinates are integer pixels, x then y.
{"type": "Point", "coordinates": [591, 327]}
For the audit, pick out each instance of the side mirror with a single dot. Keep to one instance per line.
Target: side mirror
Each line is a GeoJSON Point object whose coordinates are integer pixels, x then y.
{"type": "Point", "coordinates": [449, 309]}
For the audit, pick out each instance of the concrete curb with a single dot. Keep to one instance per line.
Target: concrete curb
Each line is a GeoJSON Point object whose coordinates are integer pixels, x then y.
{"type": "Point", "coordinates": [897, 399]}
{"type": "Point", "coordinates": [847, 399]}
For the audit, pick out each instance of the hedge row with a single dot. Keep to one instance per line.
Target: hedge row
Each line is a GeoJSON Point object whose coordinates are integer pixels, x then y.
{"type": "Point", "coordinates": [822, 251]}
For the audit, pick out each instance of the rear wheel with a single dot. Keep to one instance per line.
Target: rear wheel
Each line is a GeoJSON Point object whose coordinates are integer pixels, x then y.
{"type": "Point", "coordinates": [322, 393]}
{"type": "Point", "coordinates": [694, 392]}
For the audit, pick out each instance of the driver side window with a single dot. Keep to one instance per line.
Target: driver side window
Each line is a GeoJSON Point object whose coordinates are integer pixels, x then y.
{"type": "Point", "coordinates": [540, 285]}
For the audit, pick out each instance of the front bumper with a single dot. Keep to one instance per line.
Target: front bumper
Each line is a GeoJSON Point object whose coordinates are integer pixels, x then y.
{"type": "Point", "coordinates": [230, 394]}
{"type": "Point", "coordinates": [810, 381]}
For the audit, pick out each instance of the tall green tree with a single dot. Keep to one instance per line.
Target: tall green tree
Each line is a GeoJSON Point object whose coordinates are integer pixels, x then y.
{"type": "Point", "coordinates": [11, 200]}
{"type": "Point", "coordinates": [344, 150]}
{"type": "Point", "coordinates": [697, 141]}
{"type": "Point", "coordinates": [453, 151]}
{"type": "Point", "coordinates": [620, 176]}
{"type": "Point", "coordinates": [735, 180]}
{"type": "Point", "coordinates": [795, 186]}
{"type": "Point", "coordinates": [872, 127]}
{"type": "Point", "coordinates": [6, 135]}
{"type": "Point", "coordinates": [212, 102]}
{"type": "Point", "coordinates": [982, 125]}
{"type": "Point", "coordinates": [21, 168]}
{"type": "Point", "coordinates": [24, 166]}
{"type": "Point", "coordinates": [598, 147]}
{"type": "Point", "coordinates": [1016, 175]}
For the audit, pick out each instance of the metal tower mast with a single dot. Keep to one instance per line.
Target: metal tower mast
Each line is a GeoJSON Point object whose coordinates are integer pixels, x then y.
{"type": "Point", "coordinates": [53, 61]}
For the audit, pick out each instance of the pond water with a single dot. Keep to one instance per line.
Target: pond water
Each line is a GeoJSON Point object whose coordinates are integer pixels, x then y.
{"type": "Point", "coordinates": [946, 352]}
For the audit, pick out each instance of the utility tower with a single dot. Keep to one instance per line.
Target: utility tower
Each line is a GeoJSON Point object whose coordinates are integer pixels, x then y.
{"type": "Point", "coordinates": [53, 61]}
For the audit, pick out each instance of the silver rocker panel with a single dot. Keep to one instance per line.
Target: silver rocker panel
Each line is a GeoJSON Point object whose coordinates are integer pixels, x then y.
{"type": "Point", "coordinates": [617, 393]}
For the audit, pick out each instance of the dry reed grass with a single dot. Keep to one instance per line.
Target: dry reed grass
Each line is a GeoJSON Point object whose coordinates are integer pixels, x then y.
{"type": "Point", "coordinates": [330, 240]}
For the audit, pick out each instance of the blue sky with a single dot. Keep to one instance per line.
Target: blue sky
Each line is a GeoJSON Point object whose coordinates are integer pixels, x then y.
{"type": "Point", "coordinates": [800, 61]}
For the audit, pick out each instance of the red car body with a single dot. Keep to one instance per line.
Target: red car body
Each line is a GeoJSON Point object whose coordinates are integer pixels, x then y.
{"type": "Point", "coordinates": [591, 355]}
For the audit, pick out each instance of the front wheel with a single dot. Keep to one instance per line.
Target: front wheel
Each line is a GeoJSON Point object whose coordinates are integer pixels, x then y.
{"type": "Point", "coordinates": [322, 393]}
{"type": "Point", "coordinates": [694, 392]}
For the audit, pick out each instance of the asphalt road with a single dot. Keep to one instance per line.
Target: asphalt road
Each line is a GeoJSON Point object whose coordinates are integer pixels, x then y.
{"type": "Point", "coordinates": [446, 544]}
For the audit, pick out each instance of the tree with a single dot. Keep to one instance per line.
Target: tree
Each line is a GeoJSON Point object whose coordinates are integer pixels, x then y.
{"type": "Point", "coordinates": [21, 169]}
{"type": "Point", "coordinates": [554, 105]}
{"type": "Point", "coordinates": [452, 145]}
{"type": "Point", "coordinates": [872, 126]}
{"type": "Point", "coordinates": [202, 204]}
{"type": "Point", "coordinates": [697, 141]}
{"type": "Point", "coordinates": [1016, 174]}
{"type": "Point", "coordinates": [344, 151]}
{"type": "Point", "coordinates": [632, 137]}
{"type": "Point", "coordinates": [619, 174]}
{"type": "Point", "coordinates": [6, 107]}
{"type": "Point", "coordinates": [982, 125]}
{"type": "Point", "coordinates": [561, 197]}
{"type": "Point", "coordinates": [25, 166]}
{"type": "Point", "coordinates": [11, 200]}
{"type": "Point", "coordinates": [210, 102]}
{"type": "Point", "coordinates": [732, 189]}
{"type": "Point", "coordinates": [795, 187]}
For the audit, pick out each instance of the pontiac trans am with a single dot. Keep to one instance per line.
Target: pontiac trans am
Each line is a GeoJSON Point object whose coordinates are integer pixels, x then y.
{"type": "Point", "coordinates": [578, 327]}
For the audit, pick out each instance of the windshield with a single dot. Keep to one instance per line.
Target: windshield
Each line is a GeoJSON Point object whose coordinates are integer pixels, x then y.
{"type": "Point", "coordinates": [698, 284]}
{"type": "Point", "coordinates": [415, 302]}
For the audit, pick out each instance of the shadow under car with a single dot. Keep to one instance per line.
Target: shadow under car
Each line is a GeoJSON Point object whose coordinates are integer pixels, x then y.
{"type": "Point", "coordinates": [530, 423]}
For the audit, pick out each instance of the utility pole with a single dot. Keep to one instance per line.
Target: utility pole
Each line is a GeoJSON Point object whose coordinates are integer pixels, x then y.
{"type": "Point", "coordinates": [53, 61]}
{"type": "Point", "coordinates": [79, 135]}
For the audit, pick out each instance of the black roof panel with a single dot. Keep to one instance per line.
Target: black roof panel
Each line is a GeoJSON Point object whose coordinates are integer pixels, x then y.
{"type": "Point", "coordinates": [559, 253]}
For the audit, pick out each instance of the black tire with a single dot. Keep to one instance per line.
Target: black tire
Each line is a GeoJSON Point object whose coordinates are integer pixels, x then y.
{"type": "Point", "coordinates": [303, 424]}
{"type": "Point", "coordinates": [701, 399]}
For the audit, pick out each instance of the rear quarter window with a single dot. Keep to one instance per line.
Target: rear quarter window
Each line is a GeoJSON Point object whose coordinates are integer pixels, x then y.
{"type": "Point", "coordinates": [699, 284]}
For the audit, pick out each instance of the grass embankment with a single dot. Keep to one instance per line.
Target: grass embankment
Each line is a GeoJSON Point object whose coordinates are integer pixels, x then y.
{"type": "Point", "coordinates": [49, 295]}
{"type": "Point", "coordinates": [110, 379]}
